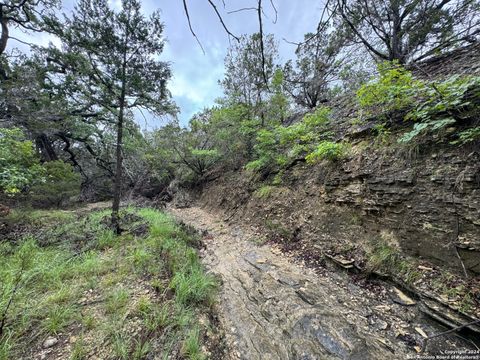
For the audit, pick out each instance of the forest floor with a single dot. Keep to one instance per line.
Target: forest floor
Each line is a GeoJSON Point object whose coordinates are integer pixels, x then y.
{"type": "Point", "coordinates": [273, 306]}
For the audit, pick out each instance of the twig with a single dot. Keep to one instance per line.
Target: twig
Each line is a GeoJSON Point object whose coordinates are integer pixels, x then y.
{"type": "Point", "coordinates": [322, 25]}
{"type": "Point", "coordinates": [242, 9]}
{"type": "Point", "coordinates": [21, 41]}
{"type": "Point", "coordinates": [455, 329]}
{"type": "Point", "coordinates": [185, 7]}
{"type": "Point", "coordinates": [457, 233]}
{"type": "Point", "coordinates": [275, 10]}
{"type": "Point", "coordinates": [222, 22]}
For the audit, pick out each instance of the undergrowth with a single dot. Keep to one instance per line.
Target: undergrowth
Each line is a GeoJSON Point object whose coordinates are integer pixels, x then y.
{"type": "Point", "coordinates": [78, 278]}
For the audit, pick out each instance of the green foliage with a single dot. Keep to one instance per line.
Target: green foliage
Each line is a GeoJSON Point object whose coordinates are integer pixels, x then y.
{"type": "Point", "coordinates": [446, 103]}
{"type": "Point", "coordinates": [382, 134]}
{"type": "Point", "coordinates": [432, 105]}
{"type": "Point", "coordinates": [280, 145]}
{"type": "Point", "coordinates": [315, 68]}
{"type": "Point", "coordinates": [192, 286]}
{"type": "Point", "coordinates": [278, 103]}
{"type": "Point", "coordinates": [61, 183]}
{"type": "Point", "coordinates": [394, 89]}
{"type": "Point", "coordinates": [327, 150]}
{"type": "Point", "coordinates": [468, 135]}
{"type": "Point", "coordinates": [117, 301]}
{"type": "Point", "coordinates": [19, 164]}
{"type": "Point", "coordinates": [383, 257]}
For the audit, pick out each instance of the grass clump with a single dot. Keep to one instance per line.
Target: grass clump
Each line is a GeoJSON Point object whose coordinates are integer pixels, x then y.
{"type": "Point", "coordinates": [193, 286]}
{"type": "Point", "coordinates": [117, 301]}
{"type": "Point", "coordinates": [264, 192]}
{"type": "Point", "coordinates": [192, 346]}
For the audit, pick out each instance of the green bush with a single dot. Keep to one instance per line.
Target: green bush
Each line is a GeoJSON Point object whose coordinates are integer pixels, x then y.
{"type": "Point", "coordinates": [19, 164]}
{"type": "Point", "coordinates": [61, 184]}
{"type": "Point", "coordinates": [279, 146]}
{"type": "Point", "coordinates": [444, 104]}
{"type": "Point", "coordinates": [327, 150]}
{"type": "Point", "coordinates": [432, 105]}
{"type": "Point", "coordinates": [394, 89]}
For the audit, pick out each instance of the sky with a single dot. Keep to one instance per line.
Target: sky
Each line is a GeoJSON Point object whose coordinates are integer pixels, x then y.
{"type": "Point", "coordinates": [194, 84]}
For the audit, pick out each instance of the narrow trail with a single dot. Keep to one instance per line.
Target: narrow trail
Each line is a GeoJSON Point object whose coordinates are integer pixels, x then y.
{"type": "Point", "coordinates": [272, 308]}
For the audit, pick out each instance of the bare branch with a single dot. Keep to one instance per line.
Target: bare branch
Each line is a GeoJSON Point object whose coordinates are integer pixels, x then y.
{"type": "Point", "coordinates": [221, 21]}
{"type": "Point", "coordinates": [260, 24]}
{"type": "Point", "coordinates": [185, 7]}
{"type": "Point", "coordinates": [242, 9]}
{"type": "Point", "coordinates": [21, 41]}
{"type": "Point", "coordinates": [275, 10]}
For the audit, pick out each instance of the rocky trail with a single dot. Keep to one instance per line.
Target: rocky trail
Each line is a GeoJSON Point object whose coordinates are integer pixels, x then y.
{"type": "Point", "coordinates": [272, 307]}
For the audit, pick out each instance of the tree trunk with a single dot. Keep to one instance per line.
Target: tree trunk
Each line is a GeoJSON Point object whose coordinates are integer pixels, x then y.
{"type": "Point", "coordinates": [4, 36]}
{"type": "Point", "coordinates": [117, 192]}
{"type": "Point", "coordinates": [45, 148]}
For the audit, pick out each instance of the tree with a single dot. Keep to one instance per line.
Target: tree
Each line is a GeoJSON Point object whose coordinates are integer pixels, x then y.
{"type": "Point", "coordinates": [316, 67]}
{"type": "Point", "coordinates": [111, 59]}
{"type": "Point", "coordinates": [408, 30]}
{"type": "Point", "coordinates": [23, 14]}
{"type": "Point", "coordinates": [247, 67]}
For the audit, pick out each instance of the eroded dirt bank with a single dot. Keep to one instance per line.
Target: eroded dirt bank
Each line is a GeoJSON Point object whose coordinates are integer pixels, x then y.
{"type": "Point", "coordinates": [274, 308]}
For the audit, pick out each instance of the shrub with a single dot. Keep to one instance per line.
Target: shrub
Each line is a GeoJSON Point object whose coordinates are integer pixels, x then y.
{"type": "Point", "coordinates": [444, 104]}
{"type": "Point", "coordinates": [19, 164]}
{"type": "Point", "coordinates": [395, 89]}
{"type": "Point", "coordinates": [280, 145]}
{"type": "Point", "coordinates": [327, 150]}
{"type": "Point", "coordinates": [432, 105]}
{"type": "Point", "coordinates": [61, 183]}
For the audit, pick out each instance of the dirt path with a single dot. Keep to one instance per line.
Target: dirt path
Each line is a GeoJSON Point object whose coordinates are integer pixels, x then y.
{"type": "Point", "coordinates": [273, 308]}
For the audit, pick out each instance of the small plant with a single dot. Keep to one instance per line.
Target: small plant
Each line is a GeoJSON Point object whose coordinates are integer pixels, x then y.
{"type": "Point", "coordinates": [193, 286]}
{"type": "Point", "coordinates": [14, 278]}
{"type": "Point", "coordinates": [79, 350]}
{"type": "Point", "coordinates": [141, 349]}
{"type": "Point", "coordinates": [89, 321]}
{"type": "Point", "coordinates": [382, 134]}
{"type": "Point", "coordinates": [144, 305]}
{"type": "Point", "coordinates": [264, 191]}
{"type": "Point", "coordinates": [117, 301]}
{"type": "Point", "coordinates": [158, 318]}
{"type": "Point", "coordinates": [191, 347]}
{"type": "Point", "coordinates": [467, 136]}
{"type": "Point", "coordinates": [6, 347]}
{"type": "Point", "coordinates": [327, 150]}
{"type": "Point", "coordinates": [383, 257]}
{"type": "Point", "coordinates": [106, 239]}
{"type": "Point", "coordinates": [120, 346]}
{"type": "Point", "coordinates": [58, 318]}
